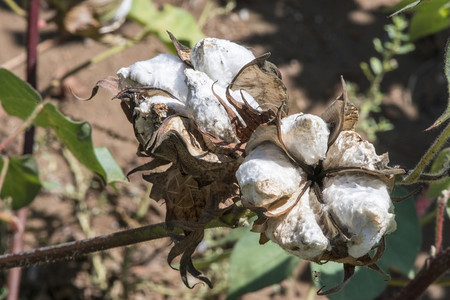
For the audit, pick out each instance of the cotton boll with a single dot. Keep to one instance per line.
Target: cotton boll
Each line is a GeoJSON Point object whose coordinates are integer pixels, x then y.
{"type": "Point", "coordinates": [220, 59]}
{"type": "Point", "coordinates": [306, 137]}
{"type": "Point", "coordinates": [297, 231]}
{"type": "Point", "coordinates": [177, 106]}
{"type": "Point", "coordinates": [350, 150]}
{"type": "Point", "coordinates": [361, 204]}
{"type": "Point", "coordinates": [164, 71]}
{"type": "Point", "coordinates": [267, 175]}
{"type": "Point", "coordinates": [206, 110]}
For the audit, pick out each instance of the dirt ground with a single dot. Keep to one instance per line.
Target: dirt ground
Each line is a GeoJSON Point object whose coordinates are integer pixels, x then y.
{"type": "Point", "coordinates": [312, 42]}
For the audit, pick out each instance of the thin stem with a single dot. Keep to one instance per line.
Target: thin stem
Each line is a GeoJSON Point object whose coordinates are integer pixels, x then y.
{"type": "Point", "coordinates": [4, 170]}
{"type": "Point", "coordinates": [31, 71]}
{"type": "Point", "coordinates": [428, 156]}
{"type": "Point", "coordinates": [441, 203]}
{"type": "Point", "coordinates": [430, 272]}
{"type": "Point", "coordinates": [23, 128]}
{"type": "Point", "coordinates": [16, 8]}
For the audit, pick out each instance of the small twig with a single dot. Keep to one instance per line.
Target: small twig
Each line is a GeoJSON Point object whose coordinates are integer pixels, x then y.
{"type": "Point", "coordinates": [4, 170]}
{"type": "Point", "coordinates": [74, 249]}
{"type": "Point", "coordinates": [16, 8]}
{"type": "Point", "coordinates": [26, 124]}
{"type": "Point", "coordinates": [441, 204]}
{"type": "Point", "coordinates": [431, 271]}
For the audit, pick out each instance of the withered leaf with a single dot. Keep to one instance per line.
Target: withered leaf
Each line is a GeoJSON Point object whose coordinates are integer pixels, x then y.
{"type": "Point", "coordinates": [184, 53]}
{"type": "Point", "coordinates": [262, 80]}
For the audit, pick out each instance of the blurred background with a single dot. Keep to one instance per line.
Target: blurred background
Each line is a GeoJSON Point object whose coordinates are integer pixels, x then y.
{"type": "Point", "coordinates": [313, 43]}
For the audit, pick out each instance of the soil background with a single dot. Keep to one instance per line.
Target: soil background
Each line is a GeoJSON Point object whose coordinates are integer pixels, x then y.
{"type": "Point", "coordinates": [312, 42]}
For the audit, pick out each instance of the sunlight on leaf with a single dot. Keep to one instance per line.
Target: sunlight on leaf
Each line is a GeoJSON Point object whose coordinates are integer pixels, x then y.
{"type": "Point", "coordinates": [171, 18]}
{"type": "Point", "coordinates": [20, 99]}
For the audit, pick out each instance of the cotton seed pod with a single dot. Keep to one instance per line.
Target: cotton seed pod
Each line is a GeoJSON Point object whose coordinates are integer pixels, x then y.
{"type": "Point", "coordinates": [340, 209]}
{"type": "Point", "coordinates": [305, 137]}
{"type": "Point", "coordinates": [206, 110]}
{"type": "Point", "coordinates": [164, 71]}
{"type": "Point", "coordinates": [362, 205]}
{"type": "Point", "coordinates": [220, 59]}
{"type": "Point", "coordinates": [266, 176]}
{"type": "Point", "coordinates": [297, 231]}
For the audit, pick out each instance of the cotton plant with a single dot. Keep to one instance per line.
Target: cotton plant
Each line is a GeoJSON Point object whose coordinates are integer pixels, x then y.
{"type": "Point", "coordinates": [214, 122]}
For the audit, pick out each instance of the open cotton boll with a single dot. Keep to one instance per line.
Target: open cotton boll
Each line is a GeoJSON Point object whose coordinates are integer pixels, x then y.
{"type": "Point", "coordinates": [145, 107]}
{"type": "Point", "coordinates": [363, 206]}
{"type": "Point", "coordinates": [220, 59]}
{"type": "Point", "coordinates": [164, 71]}
{"type": "Point", "coordinates": [297, 231]}
{"type": "Point", "coordinates": [306, 137]}
{"type": "Point", "coordinates": [350, 150]}
{"type": "Point", "coordinates": [267, 175]}
{"type": "Point", "coordinates": [206, 110]}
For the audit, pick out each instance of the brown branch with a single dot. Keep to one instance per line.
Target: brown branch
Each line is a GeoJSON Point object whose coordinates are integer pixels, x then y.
{"type": "Point", "coordinates": [74, 249]}
{"type": "Point", "coordinates": [433, 269]}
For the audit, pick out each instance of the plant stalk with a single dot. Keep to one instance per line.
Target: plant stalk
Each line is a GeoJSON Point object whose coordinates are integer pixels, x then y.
{"type": "Point", "coordinates": [431, 271]}
{"type": "Point", "coordinates": [31, 67]}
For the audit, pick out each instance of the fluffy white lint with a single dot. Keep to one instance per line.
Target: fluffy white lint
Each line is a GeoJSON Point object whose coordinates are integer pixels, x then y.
{"type": "Point", "coordinates": [267, 175]}
{"type": "Point", "coordinates": [350, 150]}
{"type": "Point", "coordinates": [306, 137]}
{"type": "Point", "coordinates": [144, 108]}
{"type": "Point", "coordinates": [164, 71]}
{"type": "Point", "coordinates": [361, 203]}
{"type": "Point", "coordinates": [220, 59]}
{"type": "Point", "coordinates": [297, 231]}
{"type": "Point", "coordinates": [206, 110]}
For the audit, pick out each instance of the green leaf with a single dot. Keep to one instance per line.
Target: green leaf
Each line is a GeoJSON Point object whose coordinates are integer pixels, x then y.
{"type": "Point", "coordinates": [430, 17]}
{"type": "Point", "coordinates": [437, 187]}
{"type": "Point", "coordinates": [171, 18]}
{"type": "Point", "coordinates": [378, 45]}
{"type": "Point", "coordinates": [403, 245]}
{"type": "Point", "coordinates": [254, 266]}
{"type": "Point", "coordinates": [113, 171]}
{"type": "Point", "coordinates": [19, 99]}
{"type": "Point", "coordinates": [22, 181]}
{"type": "Point", "coordinates": [365, 284]}
{"type": "Point", "coordinates": [376, 65]}
{"type": "Point", "coordinates": [406, 48]}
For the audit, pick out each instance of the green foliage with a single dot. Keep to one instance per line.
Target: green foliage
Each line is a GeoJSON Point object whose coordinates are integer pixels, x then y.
{"type": "Point", "coordinates": [20, 100]}
{"type": "Point", "coordinates": [366, 284]}
{"type": "Point", "coordinates": [171, 18]}
{"type": "Point", "coordinates": [440, 161]}
{"type": "Point", "coordinates": [254, 266]}
{"type": "Point", "coordinates": [402, 247]}
{"type": "Point", "coordinates": [429, 16]}
{"type": "Point", "coordinates": [375, 70]}
{"type": "Point", "coordinates": [22, 181]}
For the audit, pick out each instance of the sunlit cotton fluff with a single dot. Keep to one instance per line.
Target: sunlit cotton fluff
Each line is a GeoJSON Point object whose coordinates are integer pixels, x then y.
{"type": "Point", "coordinates": [164, 71]}
{"type": "Point", "coordinates": [306, 137]}
{"type": "Point", "coordinates": [206, 110]}
{"type": "Point", "coordinates": [220, 59]}
{"type": "Point", "coordinates": [361, 204]}
{"type": "Point", "coordinates": [267, 175]}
